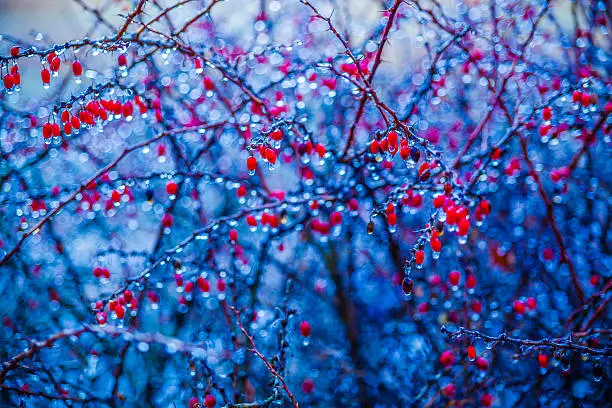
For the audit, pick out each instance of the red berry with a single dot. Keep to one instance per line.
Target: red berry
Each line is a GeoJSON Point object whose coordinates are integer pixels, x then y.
{"type": "Point", "coordinates": [251, 220]}
{"type": "Point", "coordinates": [447, 358]}
{"type": "Point", "coordinates": [424, 172]}
{"type": "Point", "coordinates": [16, 75]}
{"type": "Point", "coordinates": [221, 285]}
{"type": "Point", "coordinates": [127, 109]}
{"type": "Point", "coordinates": [122, 60]}
{"type": "Point", "coordinates": [54, 64]}
{"type": "Point", "coordinates": [482, 364]}
{"type": "Point", "coordinates": [45, 75]}
{"type": "Point", "coordinates": [374, 146]}
{"type": "Point", "coordinates": [167, 220]}
{"type": "Point", "coordinates": [419, 257]}
{"type": "Point", "coordinates": [153, 297]}
{"type": "Point", "coordinates": [470, 281]}
{"type": "Point", "coordinates": [50, 56]}
{"type": "Point", "coordinates": [392, 138]}
{"type": "Point", "coordinates": [305, 329]}
{"type": "Point", "coordinates": [14, 51]}
{"type": "Point", "coordinates": [55, 129]}
{"type": "Point", "coordinates": [209, 85]}
{"type": "Point", "coordinates": [320, 149]}
{"type": "Point", "coordinates": [194, 402]}
{"type": "Point", "coordinates": [543, 360]}
{"type": "Point", "coordinates": [308, 386]}
{"type": "Point", "coordinates": [485, 207]}
{"type": "Point", "coordinates": [77, 68]}
{"type": "Point", "coordinates": [435, 280]}
{"type": "Point", "coordinates": [454, 277]}
{"type": "Point", "coordinates": [463, 226]}
{"type": "Point", "coordinates": [423, 307]}
{"type": "Point", "coordinates": [241, 191]}
{"type": "Point", "coordinates": [233, 235]}
{"type": "Point", "coordinates": [203, 284]}
{"type": "Point", "coordinates": [585, 99]}
{"type": "Point", "coordinates": [271, 155]}
{"type": "Point", "coordinates": [531, 303]}
{"type": "Point", "coordinates": [116, 196]}
{"type": "Point", "coordinates": [251, 163]}
{"type": "Point", "coordinates": [172, 188]}
{"type": "Point", "coordinates": [476, 306]}
{"type": "Point", "coordinates": [439, 201]}
{"type": "Point", "coordinates": [519, 307]}
{"type": "Point", "coordinates": [436, 245]}
{"type": "Point", "coordinates": [101, 318]}
{"type": "Point", "coordinates": [547, 113]}
{"type": "Point", "coordinates": [75, 122]}
{"type": "Point", "coordinates": [120, 311]}
{"type": "Point", "coordinates": [335, 218]}
{"type": "Point", "coordinates": [8, 81]}
{"type": "Point", "coordinates": [210, 401]}
{"type": "Point", "coordinates": [471, 351]}
{"type": "Point", "coordinates": [450, 390]}
{"type": "Point", "coordinates": [486, 400]}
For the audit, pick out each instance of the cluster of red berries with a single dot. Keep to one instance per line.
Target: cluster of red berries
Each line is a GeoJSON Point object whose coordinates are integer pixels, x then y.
{"type": "Point", "coordinates": [209, 402]}
{"type": "Point", "coordinates": [456, 217]}
{"type": "Point", "coordinates": [448, 359]}
{"type": "Point", "coordinates": [269, 153]}
{"type": "Point", "coordinates": [94, 110]}
{"type": "Point", "coordinates": [116, 306]}
{"type": "Point", "coordinates": [100, 272]}
{"type": "Point", "coordinates": [390, 146]}
{"type": "Point", "coordinates": [202, 283]}
{"type": "Point", "coordinates": [38, 205]}
{"type": "Point", "coordinates": [12, 80]}
{"type": "Point", "coordinates": [454, 279]}
{"type": "Point", "coordinates": [520, 306]}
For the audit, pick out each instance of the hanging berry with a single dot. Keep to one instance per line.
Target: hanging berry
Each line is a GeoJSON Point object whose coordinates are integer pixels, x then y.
{"type": "Point", "coordinates": [471, 352]}
{"type": "Point", "coordinates": [305, 329]}
{"type": "Point", "coordinates": [167, 220]}
{"type": "Point", "coordinates": [419, 257]}
{"type": "Point", "coordinates": [45, 76]}
{"type": "Point", "coordinates": [407, 286]}
{"type": "Point", "coordinates": [122, 61]}
{"type": "Point", "coordinates": [210, 401]}
{"type": "Point", "coordinates": [447, 358]}
{"type": "Point", "coordinates": [547, 113]}
{"type": "Point", "coordinates": [251, 164]}
{"type": "Point", "coordinates": [172, 188]}
{"type": "Point", "coordinates": [77, 70]}
{"type": "Point", "coordinates": [543, 361]}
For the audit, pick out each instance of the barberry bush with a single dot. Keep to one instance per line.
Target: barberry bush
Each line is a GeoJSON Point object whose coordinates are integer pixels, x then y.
{"type": "Point", "coordinates": [308, 203]}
